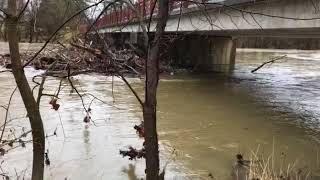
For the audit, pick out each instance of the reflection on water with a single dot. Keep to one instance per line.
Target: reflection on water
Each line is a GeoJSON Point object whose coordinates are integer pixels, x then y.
{"type": "Point", "coordinates": [131, 171]}
{"type": "Point", "coordinates": [207, 119]}
{"type": "Point", "coordinates": [86, 139]}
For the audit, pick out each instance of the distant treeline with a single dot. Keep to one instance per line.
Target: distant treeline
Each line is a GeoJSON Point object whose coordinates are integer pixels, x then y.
{"type": "Point", "coordinates": [279, 43]}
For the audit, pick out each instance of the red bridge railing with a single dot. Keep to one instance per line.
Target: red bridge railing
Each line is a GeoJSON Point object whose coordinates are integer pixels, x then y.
{"type": "Point", "coordinates": [120, 15]}
{"type": "Point", "coordinates": [123, 14]}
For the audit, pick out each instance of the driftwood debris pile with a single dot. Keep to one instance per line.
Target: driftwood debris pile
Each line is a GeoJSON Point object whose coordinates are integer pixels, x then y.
{"type": "Point", "coordinates": [63, 58]}
{"type": "Point", "coordinates": [82, 59]}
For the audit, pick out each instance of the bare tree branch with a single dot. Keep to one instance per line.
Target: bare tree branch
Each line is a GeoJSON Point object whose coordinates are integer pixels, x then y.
{"type": "Point", "coordinates": [131, 88]}
{"type": "Point", "coordinates": [151, 15]}
{"type": "Point", "coordinates": [99, 16]}
{"type": "Point", "coordinates": [4, 12]}
{"type": "Point", "coordinates": [74, 88]}
{"type": "Point", "coordinates": [23, 9]}
{"type": "Point", "coordinates": [7, 113]}
{"type": "Point", "coordinates": [268, 62]}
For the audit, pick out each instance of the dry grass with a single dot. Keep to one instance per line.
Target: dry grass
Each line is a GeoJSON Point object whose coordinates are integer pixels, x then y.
{"type": "Point", "coordinates": [260, 167]}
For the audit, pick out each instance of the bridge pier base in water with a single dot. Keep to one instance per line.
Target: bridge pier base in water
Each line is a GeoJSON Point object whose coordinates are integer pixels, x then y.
{"type": "Point", "coordinates": [203, 53]}
{"type": "Point", "coordinates": [206, 53]}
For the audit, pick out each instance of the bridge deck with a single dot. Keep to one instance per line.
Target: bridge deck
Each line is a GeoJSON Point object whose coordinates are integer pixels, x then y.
{"type": "Point", "coordinates": [297, 18]}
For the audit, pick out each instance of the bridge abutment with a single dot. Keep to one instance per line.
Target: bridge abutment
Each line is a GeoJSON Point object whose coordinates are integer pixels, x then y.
{"type": "Point", "coordinates": [206, 53]}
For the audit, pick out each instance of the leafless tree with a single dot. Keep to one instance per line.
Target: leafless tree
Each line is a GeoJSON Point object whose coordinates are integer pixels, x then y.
{"type": "Point", "coordinates": [12, 18]}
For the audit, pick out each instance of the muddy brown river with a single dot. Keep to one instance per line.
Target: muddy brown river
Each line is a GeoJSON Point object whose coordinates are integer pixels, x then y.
{"type": "Point", "coordinates": [206, 118]}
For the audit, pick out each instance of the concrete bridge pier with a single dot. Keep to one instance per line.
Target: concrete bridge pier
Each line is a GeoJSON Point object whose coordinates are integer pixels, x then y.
{"type": "Point", "coordinates": [221, 54]}
{"type": "Point", "coordinates": [206, 53]}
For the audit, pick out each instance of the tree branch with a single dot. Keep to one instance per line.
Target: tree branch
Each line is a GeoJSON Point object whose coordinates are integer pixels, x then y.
{"type": "Point", "coordinates": [4, 12]}
{"type": "Point", "coordinates": [24, 8]}
{"type": "Point", "coordinates": [7, 113]}
{"type": "Point", "coordinates": [271, 61]}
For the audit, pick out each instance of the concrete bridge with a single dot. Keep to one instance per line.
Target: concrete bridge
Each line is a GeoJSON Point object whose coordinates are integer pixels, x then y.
{"type": "Point", "coordinates": [210, 28]}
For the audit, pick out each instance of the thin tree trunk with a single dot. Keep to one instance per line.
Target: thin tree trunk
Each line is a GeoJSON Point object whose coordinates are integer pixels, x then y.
{"type": "Point", "coordinates": [31, 31]}
{"type": "Point", "coordinates": [26, 94]}
{"type": "Point", "coordinates": [1, 31]}
{"type": "Point", "coordinates": [150, 105]}
{"type": "Point", "coordinates": [5, 34]}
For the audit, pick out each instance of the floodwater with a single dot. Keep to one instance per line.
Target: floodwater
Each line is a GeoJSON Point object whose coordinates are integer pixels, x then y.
{"type": "Point", "coordinates": [204, 120]}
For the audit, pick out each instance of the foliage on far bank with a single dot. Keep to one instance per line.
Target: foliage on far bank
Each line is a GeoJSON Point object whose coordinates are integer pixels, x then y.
{"type": "Point", "coordinates": [42, 17]}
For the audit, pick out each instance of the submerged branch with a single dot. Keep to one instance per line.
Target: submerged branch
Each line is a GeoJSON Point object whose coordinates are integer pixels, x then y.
{"type": "Point", "coordinates": [268, 62]}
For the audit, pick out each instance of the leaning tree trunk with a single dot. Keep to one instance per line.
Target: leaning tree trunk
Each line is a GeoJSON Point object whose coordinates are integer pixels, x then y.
{"type": "Point", "coordinates": [150, 104]}
{"type": "Point", "coordinates": [26, 93]}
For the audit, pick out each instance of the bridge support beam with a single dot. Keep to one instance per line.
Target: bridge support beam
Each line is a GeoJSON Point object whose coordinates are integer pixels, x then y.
{"type": "Point", "coordinates": [207, 53]}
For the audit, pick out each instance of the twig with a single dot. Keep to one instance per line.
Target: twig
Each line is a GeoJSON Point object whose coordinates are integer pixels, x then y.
{"type": "Point", "coordinates": [151, 14]}
{"type": "Point", "coordinates": [15, 139]}
{"type": "Point", "coordinates": [24, 8]}
{"type": "Point", "coordinates": [59, 88]}
{"type": "Point", "coordinates": [255, 20]}
{"type": "Point", "coordinates": [7, 113]}
{"type": "Point", "coordinates": [64, 134]}
{"type": "Point", "coordinates": [180, 13]}
{"type": "Point", "coordinates": [271, 61]}
{"type": "Point", "coordinates": [131, 88]}
{"type": "Point", "coordinates": [60, 43]}
{"type": "Point", "coordinates": [4, 12]}
{"type": "Point", "coordinates": [74, 88]}
{"type": "Point", "coordinates": [5, 71]}
{"type": "Point", "coordinates": [95, 29]}
{"type": "Point", "coordinates": [96, 98]}
{"type": "Point", "coordinates": [41, 90]}
{"type": "Point", "coordinates": [135, 71]}
{"type": "Point", "coordinates": [99, 16]}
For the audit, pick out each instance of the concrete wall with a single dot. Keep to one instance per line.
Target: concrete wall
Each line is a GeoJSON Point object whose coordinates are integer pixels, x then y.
{"type": "Point", "coordinates": [205, 53]}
